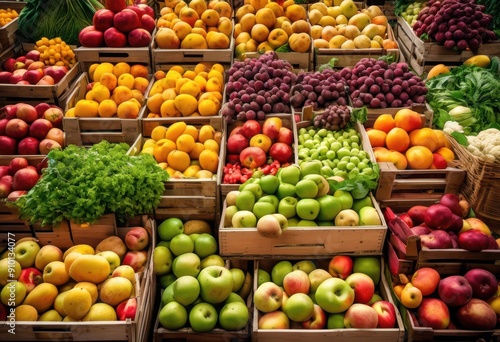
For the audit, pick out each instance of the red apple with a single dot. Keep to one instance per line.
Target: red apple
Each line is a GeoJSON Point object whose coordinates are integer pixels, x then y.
{"type": "Point", "coordinates": [103, 19]}
{"type": "Point", "coordinates": [114, 38]}
{"type": "Point", "coordinates": [5, 76]}
{"type": "Point", "coordinates": [420, 230]}
{"type": "Point", "coordinates": [5, 187]}
{"type": "Point", "coordinates": [457, 223]}
{"type": "Point", "coordinates": [127, 309]}
{"type": "Point", "coordinates": [417, 214]}
{"type": "Point", "coordinates": [8, 145]}
{"type": "Point", "coordinates": [25, 179]}
{"type": "Point", "coordinates": [137, 238]}
{"type": "Point", "coordinates": [386, 314]}
{"type": "Point", "coordinates": [296, 281]}
{"type": "Point", "coordinates": [138, 10]}
{"type": "Point", "coordinates": [33, 55]}
{"type": "Point", "coordinates": [361, 316]}
{"type": "Point", "coordinates": [317, 321]}
{"type": "Point", "coordinates": [426, 279]}
{"type": "Point", "coordinates": [433, 313]}
{"type": "Point", "coordinates": [454, 239]}
{"type": "Point", "coordinates": [236, 130]}
{"type": "Point", "coordinates": [363, 287]}
{"type": "Point", "coordinates": [484, 283]}
{"type": "Point", "coordinates": [3, 124]}
{"type": "Point", "coordinates": [476, 315]}
{"type": "Point", "coordinates": [4, 170]}
{"type": "Point", "coordinates": [271, 127]}
{"type": "Point", "coordinates": [455, 290]}
{"type": "Point", "coordinates": [436, 239]}
{"type": "Point", "coordinates": [33, 76]}
{"type": "Point", "coordinates": [135, 259]}
{"type": "Point", "coordinates": [473, 240]}
{"type": "Point", "coordinates": [21, 59]}
{"type": "Point", "coordinates": [406, 219]}
{"type": "Point", "coordinates": [116, 5]}
{"type": "Point", "coordinates": [452, 201]}
{"type": "Point", "coordinates": [17, 76]}
{"type": "Point", "coordinates": [126, 20]}
{"type": "Point", "coordinates": [41, 108]}
{"type": "Point", "coordinates": [8, 65]}
{"type": "Point", "coordinates": [438, 162]}
{"type": "Point", "coordinates": [148, 23]}
{"type": "Point", "coordinates": [438, 216]}
{"type": "Point", "coordinates": [17, 163]}
{"type": "Point", "coordinates": [251, 128]}
{"type": "Point", "coordinates": [56, 72]}
{"type": "Point", "coordinates": [233, 158]}
{"type": "Point", "coordinates": [30, 277]}
{"type": "Point", "coordinates": [39, 128]}
{"type": "Point", "coordinates": [285, 135]}
{"type": "Point", "coordinates": [16, 128]}
{"type": "Point", "coordinates": [340, 266]}
{"type": "Point", "coordinates": [23, 82]}
{"type": "Point", "coordinates": [28, 145]}
{"type": "Point", "coordinates": [14, 195]}
{"type": "Point", "coordinates": [139, 37]}
{"type": "Point", "coordinates": [236, 143]}
{"type": "Point", "coordinates": [47, 145]}
{"type": "Point", "coordinates": [55, 115]}
{"type": "Point", "coordinates": [89, 36]}
{"type": "Point", "coordinates": [252, 157]}
{"type": "Point", "coordinates": [281, 152]}
{"type": "Point", "coordinates": [147, 9]}
{"type": "Point", "coordinates": [9, 111]}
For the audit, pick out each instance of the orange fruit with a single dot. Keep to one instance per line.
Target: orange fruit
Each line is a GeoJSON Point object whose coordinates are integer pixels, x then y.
{"type": "Point", "coordinates": [185, 142]}
{"type": "Point", "coordinates": [407, 119]}
{"type": "Point", "coordinates": [447, 153]}
{"type": "Point", "coordinates": [419, 157]}
{"type": "Point", "coordinates": [442, 139]}
{"type": "Point", "coordinates": [384, 122]}
{"type": "Point", "coordinates": [397, 139]}
{"type": "Point", "coordinates": [197, 149]}
{"type": "Point", "coordinates": [381, 154]}
{"type": "Point", "coordinates": [209, 160]}
{"type": "Point", "coordinates": [424, 137]}
{"type": "Point", "coordinates": [178, 160]}
{"type": "Point", "coordinates": [376, 137]}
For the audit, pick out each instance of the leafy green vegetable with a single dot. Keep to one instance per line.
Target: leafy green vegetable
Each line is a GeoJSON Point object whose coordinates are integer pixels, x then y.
{"type": "Point", "coordinates": [284, 48]}
{"type": "Point", "coordinates": [359, 186]}
{"type": "Point", "coordinates": [82, 184]}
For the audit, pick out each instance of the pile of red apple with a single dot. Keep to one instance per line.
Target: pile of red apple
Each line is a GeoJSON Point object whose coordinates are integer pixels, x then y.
{"type": "Point", "coordinates": [30, 130]}
{"type": "Point", "coordinates": [457, 301]}
{"type": "Point", "coordinates": [344, 294]}
{"type": "Point", "coordinates": [17, 178]}
{"type": "Point", "coordinates": [119, 25]}
{"type": "Point", "coordinates": [29, 69]}
{"type": "Point", "coordinates": [43, 281]}
{"type": "Point", "coordinates": [446, 225]}
{"type": "Point", "coordinates": [253, 144]}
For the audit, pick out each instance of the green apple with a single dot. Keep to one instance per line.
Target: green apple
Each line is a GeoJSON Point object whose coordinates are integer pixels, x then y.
{"type": "Point", "coordinates": [162, 260]}
{"type": "Point", "coordinates": [254, 188]}
{"type": "Point", "coordinates": [321, 182]}
{"type": "Point", "coordinates": [231, 197]}
{"type": "Point", "coordinates": [205, 245]}
{"type": "Point", "coordinates": [270, 199]}
{"type": "Point", "coordinates": [170, 228]}
{"type": "Point", "coordinates": [280, 270]}
{"type": "Point", "coordinates": [334, 295]}
{"type": "Point", "coordinates": [316, 277]}
{"type": "Point", "coordinates": [345, 198]}
{"type": "Point", "coordinates": [244, 219]}
{"type": "Point", "coordinates": [262, 276]}
{"type": "Point", "coordinates": [293, 221]}
{"type": "Point", "coordinates": [194, 236]}
{"type": "Point", "coordinates": [166, 280]}
{"type": "Point", "coordinates": [305, 265]}
{"type": "Point", "coordinates": [269, 184]}
{"type": "Point", "coordinates": [306, 188]}
{"type": "Point", "coordinates": [163, 243]}
{"type": "Point", "coordinates": [329, 207]}
{"type": "Point", "coordinates": [368, 216]}
{"type": "Point", "coordinates": [307, 209]}
{"type": "Point", "coordinates": [263, 208]}
{"type": "Point", "coordinates": [245, 200]}
{"type": "Point", "coordinates": [310, 167]}
{"type": "Point", "coordinates": [307, 223]}
{"type": "Point", "coordinates": [13, 293]}
{"type": "Point", "coordinates": [357, 204]}
{"type": "Point", "coordinates": [186, 290]}
{"type": "Point", "coordinates": [299, 307]}
{"type": "Point", "coordinates": [25, 253]}
{"type": "Point", "coordinates": [234, 297]}
{"type": "Point", "coordinates": [336, 321]}
{"type": "Point", "coordinates": [238, 278]}
{"type": "Point", "coordinates": [290, 174]}
{"type": "Point", "coordinates": [186, 264]}
{"type": "Point", "coordinates": [173, 316]}
{"type": "Point", "coordinates": [167, 295]}
{"type": "Point", "coordinates": [228, 215]}
{"type": "Point", "coordinates": [287, 206]}
{"type": "Point", "coordinates": [347, 217]}
{"type": "Point", "coordinates": [180, 244]}
{"type": "Point", "coordinates": [216, 283]}
{"type": "Point", "coordinates": [284, 190]}
{"type": "Point", "coordinates": [375, 298]}
{"type": "Point", "coordinates": [203, 317]}
{"type": "Point", "coordinates": [211, 260]}
{"type": "Point", "coordinates": [368, 265]}
{"type": "Point", "coordinates": [234, 316]}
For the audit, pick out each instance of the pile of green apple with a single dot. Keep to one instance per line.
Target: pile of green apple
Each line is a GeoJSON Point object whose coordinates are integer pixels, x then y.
{"type": "Point", "coordinates": [82, 283]}
{"type": "Point", "coordinates": [323, 294]}
{"type": "Point", "coordinates": [296, 196]}
{"type": "Point", "coordinates": [411, 12]}
{"type": "Point", "coordinates": [200, 291]}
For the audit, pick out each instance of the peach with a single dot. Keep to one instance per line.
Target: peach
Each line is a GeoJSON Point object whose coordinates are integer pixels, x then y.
{"type": "Point", "coordinates": [426, 279]}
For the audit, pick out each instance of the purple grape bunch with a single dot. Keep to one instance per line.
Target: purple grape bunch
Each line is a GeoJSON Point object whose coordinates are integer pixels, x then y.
{"type": "Point", "coordinates": [334, 117]}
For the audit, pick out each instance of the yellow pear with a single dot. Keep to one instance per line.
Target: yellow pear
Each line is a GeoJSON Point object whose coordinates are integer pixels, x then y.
{"type": "Point", "coordinates": [87, 267]}
{"type": "Point", "coordinates": [336, 42]}
{"type": "Point", "coordinates": [42, 297]}
{"type": "Point", "coordinates": [348, 8]}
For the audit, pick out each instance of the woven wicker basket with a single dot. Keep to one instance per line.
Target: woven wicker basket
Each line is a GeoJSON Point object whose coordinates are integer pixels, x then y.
{"type": "Point", "coordinates": [481, 186]}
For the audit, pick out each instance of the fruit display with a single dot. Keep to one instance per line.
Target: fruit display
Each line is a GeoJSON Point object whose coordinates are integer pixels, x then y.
{"type": "Point", "coordinates": [18, 177]}
{"type": "Point", "coordinates": [120, 26]}
{"type": "Point", "coordinates": [7, 15]}
{"type": "Point", "coordinates": [402, 140]}
{"type": "Point", "coordinates": [453, 300]}
{"type": "Point", "coordinates": [456, 25]}
{"type": "Point", "coordinates": [184, 150]}
{"type": "Point", "coordinates": [50, 284]}
{"type": "Point", "coordinates": [46, 64]}
{"type": "Point", "coordinates": [257, 87]}
{"type": "Point", "coordinates": [410, 11]}
{"type": "Point", "coordinates": [30, 130]}
{"type": "Point", "coordinates": [346, 27]}
{"type": "Point", "coordinates": [182, 91]}
{"type": "Point", "coordinates": [194, 24]}
{"type": "Point", "coordinates": [112, 90]}
{"type": "Point", "coordinates": [200, 290]}
{"type": "Point", "coordinates": [343, 292]}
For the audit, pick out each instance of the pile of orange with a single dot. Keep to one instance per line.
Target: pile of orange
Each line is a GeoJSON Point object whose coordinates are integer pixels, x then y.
{"type": "Point", "coordinates": [402, 140]}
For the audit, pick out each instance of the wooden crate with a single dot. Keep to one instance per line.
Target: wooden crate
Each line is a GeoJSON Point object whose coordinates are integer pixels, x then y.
{"type": "Point", "coordinates": [349, 57]}
{"type": "Point", "coordinates": [422, 56]}
{"type": "Point", "coordinates": [8, 31]}
{"type": "Point", "coordinates": [89, 131]}
{"type": "Point", "coordinates": [325, 335]}
{"type": "Point", "coordinates": [59, 235]}
{"type": "Point", "coordinates": [425, 111]}
{"type": "Point", "coordinates": [300, 61]}
{"type": "Point", "coordinates": [302, 241]}
{"type": "Point", "coordinates": [92, 234]}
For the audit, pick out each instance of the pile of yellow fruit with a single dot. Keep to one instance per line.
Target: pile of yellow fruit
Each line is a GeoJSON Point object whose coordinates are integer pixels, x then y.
{"type": "Point", "coordinates": [185, 151]}
{"type": "Point", "coordinates": [55, 52]}
{"type": "Point", "coordinates": [197, 25]}
{"type": "Point", "coordinates": [115, 91]}
{"type": "Point", "coordinates": [7, 15]}
{"type": "Point", "coordinates": [181, 92]}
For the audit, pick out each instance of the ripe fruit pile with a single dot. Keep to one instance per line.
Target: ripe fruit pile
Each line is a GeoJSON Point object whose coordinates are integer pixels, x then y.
{"type": "Point", "coordinates": [185, 92]}
{"type": "Point", "coordinates": [334, 117]}
{"type": "Point", "coordinates": [185, 151]}
{"type": "Point", "coordinates": [327, 294]}
{"type": "Point", "coordinates": [18, 177]}
{"type": "Point", "coordinates": [410, 13]}
{"type": "Point", "coordinates": [403, 141]}
{"type": "Point", "coordinates": [119, 25]}
{"type": "Point", "coordinates": [55, 52]}
{"type": "Point", "coordinates": [462, 25]}
{"type": "Point", "coordinates": [458, 300]}
{"type": "Point", "coordinates": [7, 15]}
{"type": "Point", "coordinates": [48, 284]}
{"type": "Point", "coordinates": [268, 26]}
{"type": "Point", "coordinates": [296, 196]}
{"type": "Point", "coordinates": [377, 84]}
{"type": "Point", "coordinates": [199, 291]}
{"type": "Point", "coordinates": [257, 87]}
{"type": "Point", "coordinates": [115, 90]}
{"type": "Point", "coordinates": [30, 130]}
{"type": "Point", "coordinates": [196, 25]}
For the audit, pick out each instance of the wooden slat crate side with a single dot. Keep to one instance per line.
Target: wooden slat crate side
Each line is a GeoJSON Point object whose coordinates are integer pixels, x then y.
{"type": "Point", "coordinates": [9, 29]}
{"type": "Point", "coordinates": [94, 233]}
{"type": "Point", "coordinates": [148, 124]}
{"type": "Point", "coordinates": [425, 111]}
{"type": "Point", "coordinates": [59, 235]}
